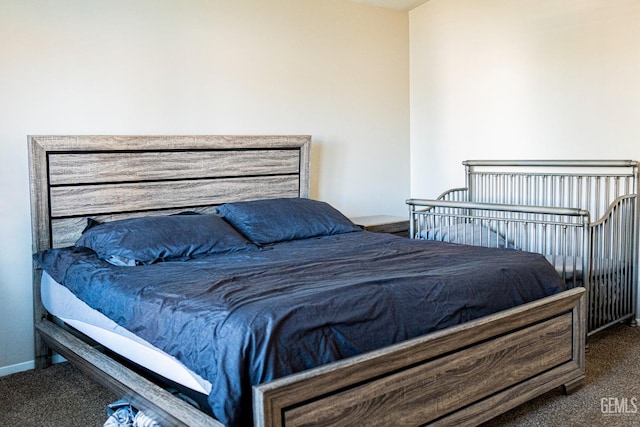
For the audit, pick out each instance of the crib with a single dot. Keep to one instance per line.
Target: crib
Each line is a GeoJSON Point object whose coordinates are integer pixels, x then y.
{"type": "Point", "coordinates": [581, 215]}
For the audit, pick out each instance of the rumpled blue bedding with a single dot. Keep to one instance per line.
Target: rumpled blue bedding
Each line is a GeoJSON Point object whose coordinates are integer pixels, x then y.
{"type": "Point", "coordinates": [245, 318]}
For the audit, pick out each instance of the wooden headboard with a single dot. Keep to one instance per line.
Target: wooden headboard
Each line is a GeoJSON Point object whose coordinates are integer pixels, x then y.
{"type": "Point", "coordinates": [112, 177]}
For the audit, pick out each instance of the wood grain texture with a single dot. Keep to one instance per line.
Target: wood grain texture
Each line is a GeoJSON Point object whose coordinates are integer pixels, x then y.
{"type": "Point", "coordinates": [135, 166]}
{"type": "Point", "coordinates": [435, 388]}
{"type": "Point", "coordinates": [113, 177]}
{"type": "Point", "coordinates": [275, 398]}
{"type": "Point", "coordinates": [39, 186]}
{"type": "Point", "coordinates": [143, 196]}
{"type": "Point", "coordinates": [66, 231]}
{"type": "Point", "coordinates": [84, 143]}
{"type": "Point", "coordinates": [384, 224]}
{"type": "Point", "coordinates": [40, 239]}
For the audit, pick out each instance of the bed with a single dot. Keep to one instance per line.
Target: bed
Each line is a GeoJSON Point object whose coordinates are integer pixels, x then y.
{"type": "Point", "coordinates": [501, 359]}
{"type": "Point", "coordinates": [582, 215]}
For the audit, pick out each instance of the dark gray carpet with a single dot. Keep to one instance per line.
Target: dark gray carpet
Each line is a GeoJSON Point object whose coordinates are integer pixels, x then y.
{"type": "Point", "coordinates": [58, 396]}
{"type": "Point", "coordinates": [62, 396]}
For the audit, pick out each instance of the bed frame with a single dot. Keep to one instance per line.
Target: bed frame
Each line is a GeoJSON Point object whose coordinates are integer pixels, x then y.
{"type": "Point", "coordinates": [568, 210]}
{"type": "Point", "coordinates": [462, 375]}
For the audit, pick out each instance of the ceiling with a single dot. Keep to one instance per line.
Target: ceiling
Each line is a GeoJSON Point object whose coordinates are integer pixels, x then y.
{"type": "Point", "coordinates": [394, 4]}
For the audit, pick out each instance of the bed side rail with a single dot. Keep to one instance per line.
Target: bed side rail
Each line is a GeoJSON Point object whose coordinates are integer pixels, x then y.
{"type": "Point", "coordinates": [159, 404]}
{"type": "Point", "coordinates": [560, 234]}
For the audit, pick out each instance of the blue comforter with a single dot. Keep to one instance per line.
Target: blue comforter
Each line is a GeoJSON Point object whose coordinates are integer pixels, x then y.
{"type": "Point", "coordinates": [246, 318]}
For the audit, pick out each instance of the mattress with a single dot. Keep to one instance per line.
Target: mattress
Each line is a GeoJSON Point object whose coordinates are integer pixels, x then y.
{"type": "Point", "coordinates": [62, 303]}
{"type": "Point", "coordinates": [232, 318]}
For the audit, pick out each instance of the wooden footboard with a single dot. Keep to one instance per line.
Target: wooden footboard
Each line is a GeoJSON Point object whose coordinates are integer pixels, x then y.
{"type": "Point", "coordinates": [459, 376]}
{"type": "Point", "coordinates": [462, 375]}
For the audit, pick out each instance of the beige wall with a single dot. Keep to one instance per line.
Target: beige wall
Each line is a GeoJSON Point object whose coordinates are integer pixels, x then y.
{"type": "Point", "coordinates": [332, 68]}
{"type": "Point", "coordinates": [521, 79]}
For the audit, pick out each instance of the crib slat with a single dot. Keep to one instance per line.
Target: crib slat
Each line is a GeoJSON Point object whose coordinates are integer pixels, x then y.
{"type": "Point", "coordinates": [568, 210]}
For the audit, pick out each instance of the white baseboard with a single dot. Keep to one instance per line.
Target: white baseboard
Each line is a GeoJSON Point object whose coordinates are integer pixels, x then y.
{"type": "Point", "coordinates": [18, 367]}
{"type": "Point", "coordinates": [25, 366]}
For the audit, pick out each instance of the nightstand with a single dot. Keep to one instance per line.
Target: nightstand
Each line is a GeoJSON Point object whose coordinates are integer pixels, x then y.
{"type": "Point", "coordinates": [384, 224]}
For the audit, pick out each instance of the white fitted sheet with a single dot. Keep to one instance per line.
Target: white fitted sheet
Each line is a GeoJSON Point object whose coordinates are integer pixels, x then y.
{"type": "Point", "coordinates": [62, 303]}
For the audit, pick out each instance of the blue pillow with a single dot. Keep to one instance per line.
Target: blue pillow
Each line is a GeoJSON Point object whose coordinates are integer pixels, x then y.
{"type": "Point", "coordinates": [150, 239]}
{"type": "Point", "coordinates": [277, 220]}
